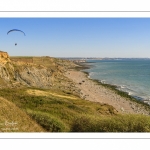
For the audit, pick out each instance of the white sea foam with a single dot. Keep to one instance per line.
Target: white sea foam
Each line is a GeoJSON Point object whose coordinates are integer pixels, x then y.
{"type": "Point", "coordinates": [130, 93]}
{"type": "Point", "coordinates": [103, 81]}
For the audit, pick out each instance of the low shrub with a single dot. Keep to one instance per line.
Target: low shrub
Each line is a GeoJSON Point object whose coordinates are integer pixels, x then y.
{"type": "Point", "coordinates": [48, 122]}
{"type": "Point", "coordinates": [118, 123]}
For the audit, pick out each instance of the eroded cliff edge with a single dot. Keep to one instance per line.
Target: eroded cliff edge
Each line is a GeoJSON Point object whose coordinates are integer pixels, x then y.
{"type": "Point", "coordinates": [40, 72]}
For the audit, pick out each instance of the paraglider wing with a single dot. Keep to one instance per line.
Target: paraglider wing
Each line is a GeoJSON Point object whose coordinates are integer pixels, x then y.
{"type": "Point", "coordinates": [15, 30]}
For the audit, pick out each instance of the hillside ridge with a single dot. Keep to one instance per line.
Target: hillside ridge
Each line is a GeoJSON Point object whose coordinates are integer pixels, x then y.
{"type": "Point", "coordinates": [41, 72]}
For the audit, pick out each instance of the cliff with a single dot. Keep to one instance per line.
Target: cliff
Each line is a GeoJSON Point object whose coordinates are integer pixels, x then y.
{"type": "Point", "coordinates": [4, 57]}
{"type": "Point", "coordinates": [17, 72]}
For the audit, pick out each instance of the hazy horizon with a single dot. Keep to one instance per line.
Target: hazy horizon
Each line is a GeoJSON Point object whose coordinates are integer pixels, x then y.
{"type": "Point", "coordinates": [77, 37]}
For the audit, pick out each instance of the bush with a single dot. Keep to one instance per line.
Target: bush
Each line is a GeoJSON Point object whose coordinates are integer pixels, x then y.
{"type": "Point", "coordinates": [48, 122]}
{"type": "Point", "coordinates": [119, 123]}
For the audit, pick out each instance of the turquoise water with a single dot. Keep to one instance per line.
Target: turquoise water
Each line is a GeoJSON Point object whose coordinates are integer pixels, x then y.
{"type": "Point", "coordinates": [129, 75]}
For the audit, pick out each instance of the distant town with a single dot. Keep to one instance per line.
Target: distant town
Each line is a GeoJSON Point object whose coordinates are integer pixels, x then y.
{"type": "Point", "coordinates": [84, 59]}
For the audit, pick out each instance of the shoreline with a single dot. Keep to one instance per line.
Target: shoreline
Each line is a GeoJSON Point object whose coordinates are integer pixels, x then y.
{"type": "Point", "coordinates": [112, 86]}
{"type": "Point", "coordinates": [94, 90]}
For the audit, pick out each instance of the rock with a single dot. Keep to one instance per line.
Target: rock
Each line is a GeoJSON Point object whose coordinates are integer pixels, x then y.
{"type": "Point", "coordinates": [122, 109]}
{"type": "Point", "coordinates": [13, 73]}
{"type": "Point", "coordinates": [4, 57]}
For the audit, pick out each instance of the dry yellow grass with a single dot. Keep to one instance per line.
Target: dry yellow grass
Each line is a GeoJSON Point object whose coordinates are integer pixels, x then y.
{"type": "Point", "coordinates": [13, 119]}
{"type": "Point", "coordinates": [47, 93]}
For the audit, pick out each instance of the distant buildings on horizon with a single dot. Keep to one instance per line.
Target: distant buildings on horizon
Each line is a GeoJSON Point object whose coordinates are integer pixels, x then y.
{"type": "Point", "coordinates": [84, 59]}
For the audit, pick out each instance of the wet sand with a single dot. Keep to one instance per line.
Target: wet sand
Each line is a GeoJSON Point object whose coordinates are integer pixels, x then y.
{"type": "Point", "coordinates": [92, 91]}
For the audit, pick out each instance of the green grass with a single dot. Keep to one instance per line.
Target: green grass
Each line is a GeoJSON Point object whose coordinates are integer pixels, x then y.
{"type": "Point", "coordinates": [13, 119]}
{"type": "Point", "coordinates": [119, 123]}
{"type": "Point", "coordinates": [49, 122]}
{"type": "Point", "coordinates": [69, 113]}
{"type": "Point", "coordinates": [58, 112]}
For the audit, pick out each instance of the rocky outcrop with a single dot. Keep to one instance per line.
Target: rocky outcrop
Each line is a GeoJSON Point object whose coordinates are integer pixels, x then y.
{"type": "Point", "coordinates": [44, 73]}
{"type": "Point", "coordinates": [33, 76]}
{"type": "Point", "coordinates": [12, 75]}
{"type": "Point", "coordinates": [4, 57]}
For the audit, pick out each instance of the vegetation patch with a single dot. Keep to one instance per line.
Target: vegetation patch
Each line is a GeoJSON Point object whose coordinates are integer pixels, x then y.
{"type": "Point", "coordinates": [54, 112]}
{"type": "Point", "coordinates": [48, 93]}
{"type": "Point", "coordinates": [48, 110]}
{"type": "Point", "coordinates": [119, 123]}
{"type": "Point", "coordinates": [13, 119]}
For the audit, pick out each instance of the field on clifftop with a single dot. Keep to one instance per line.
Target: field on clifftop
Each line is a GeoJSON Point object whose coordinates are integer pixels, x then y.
{"type": "Point", "coordinates": [37, 97]}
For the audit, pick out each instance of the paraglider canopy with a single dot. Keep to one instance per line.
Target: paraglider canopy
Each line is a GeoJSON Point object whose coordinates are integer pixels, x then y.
{"type": "Point", "coordinates": [15, 30]}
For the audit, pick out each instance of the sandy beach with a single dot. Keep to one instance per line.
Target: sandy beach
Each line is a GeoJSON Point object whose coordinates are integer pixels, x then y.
{"type": "Point", "coordinates": [98, 93]}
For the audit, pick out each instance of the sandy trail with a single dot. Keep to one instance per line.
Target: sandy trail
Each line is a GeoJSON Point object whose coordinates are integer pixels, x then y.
{"type": "Point", "coordinates": [97, 93]}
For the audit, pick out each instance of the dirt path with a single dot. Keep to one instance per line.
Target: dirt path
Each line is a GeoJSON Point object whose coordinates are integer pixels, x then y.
{"type": "Point", "coordinates": [97, 93]}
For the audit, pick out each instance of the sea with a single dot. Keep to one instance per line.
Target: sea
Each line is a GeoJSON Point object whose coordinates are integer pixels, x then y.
{"type": "Point", "coordinates": [129, 75]}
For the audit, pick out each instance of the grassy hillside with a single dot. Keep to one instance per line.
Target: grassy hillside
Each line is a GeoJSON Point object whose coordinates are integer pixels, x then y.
{"type": "Point", "coordinates": [13, 119]}
{"type": "Point", "coordinates": [52, 109]}
{"type": "Point", "coordinates": [59, 111]}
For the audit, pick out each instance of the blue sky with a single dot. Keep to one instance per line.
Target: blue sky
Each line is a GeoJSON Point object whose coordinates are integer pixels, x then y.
{"type": "Point", "coordinates": [76, 37]}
